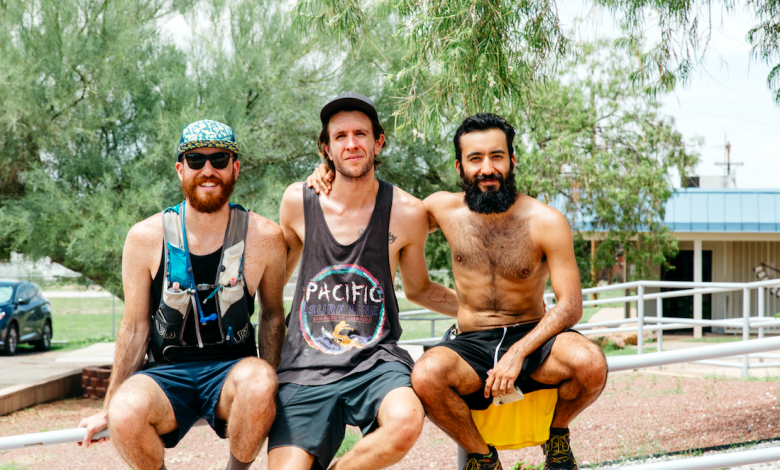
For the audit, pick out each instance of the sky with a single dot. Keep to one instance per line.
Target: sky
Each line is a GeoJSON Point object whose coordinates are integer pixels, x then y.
{"type": "Point", "coordinates": [726, 100]}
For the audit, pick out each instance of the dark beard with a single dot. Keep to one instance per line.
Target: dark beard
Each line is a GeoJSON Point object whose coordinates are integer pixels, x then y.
{"type": "Point", "coordinates": [208, 204]}
{"type": "Point", "coordinates": [490, 202]}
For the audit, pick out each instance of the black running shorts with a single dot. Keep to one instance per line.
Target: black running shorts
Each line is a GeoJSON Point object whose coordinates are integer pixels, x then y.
{"type": "Point", "coordinates": [478, 349]}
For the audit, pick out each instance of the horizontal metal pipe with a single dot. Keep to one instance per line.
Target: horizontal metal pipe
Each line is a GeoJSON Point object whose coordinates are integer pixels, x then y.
{"type": "Point", "coordinates": [718, 286]}
{"type": "Point", "coordinates": [631, 329]}
{"type": "Point", "coordinates": [601, 324]}
{"type": "Point", "coordinates": [66, 436]}
{"type": "Point", "coordinates": [618, 363]}
{"type": "Point", "coordinates": [414, 312]}
{"type": "Point", "coordinates": [763, 365]}
{"type": "Point", "coordinates": [421, 341]}
{"type": "Point", "coordinates": [721, 460]}
{"type": "Point", "coordinates": [738, 365]}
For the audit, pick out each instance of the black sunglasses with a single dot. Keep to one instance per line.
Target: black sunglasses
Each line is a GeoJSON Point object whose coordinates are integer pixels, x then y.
{"type": "Point", "coordinates": [219, 161]}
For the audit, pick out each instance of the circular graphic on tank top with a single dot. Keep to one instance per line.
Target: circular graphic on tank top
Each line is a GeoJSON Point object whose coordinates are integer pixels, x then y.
{"type": "Point", "coordinates": [343, 307]}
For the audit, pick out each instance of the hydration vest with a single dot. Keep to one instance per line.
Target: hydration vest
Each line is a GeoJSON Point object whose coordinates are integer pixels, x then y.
{"type": "Point", "coordinates": [181, 297]}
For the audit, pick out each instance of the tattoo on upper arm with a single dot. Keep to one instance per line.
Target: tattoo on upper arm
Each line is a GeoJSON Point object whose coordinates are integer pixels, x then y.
{"type": "Point", "coordinates": [438, 295]}
{"type": "Point", "coordinates": [390, 237]}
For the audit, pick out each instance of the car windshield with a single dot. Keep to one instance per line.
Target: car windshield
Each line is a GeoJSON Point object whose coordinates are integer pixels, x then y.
{"type": "Point", "coordinates": [5, 294]}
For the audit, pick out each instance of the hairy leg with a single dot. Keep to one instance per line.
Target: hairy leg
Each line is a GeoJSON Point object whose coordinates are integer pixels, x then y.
{"type": "Point", "coordinates": [579, 366]}
{"type": "Point", "coordinates": [247, 404]}
{"type": "Point", "coordinates": [137, 415]}
{"type": "Point", "coordinates": [289, 458]}
{"type": "Point", "coordinates": [440, 378]}
{"type": "Point", "coordinates": [400, 420]}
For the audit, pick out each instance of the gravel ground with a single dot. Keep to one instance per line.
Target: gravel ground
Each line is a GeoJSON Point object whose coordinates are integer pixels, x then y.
{"type": "Point", "coordinates": [637, 415]}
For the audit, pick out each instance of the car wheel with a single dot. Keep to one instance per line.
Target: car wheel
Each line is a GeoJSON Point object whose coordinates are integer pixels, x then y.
{"type": "Point", "coordinates": [11, 340]}
{"type": "Point", "coordinates": [44, 344]}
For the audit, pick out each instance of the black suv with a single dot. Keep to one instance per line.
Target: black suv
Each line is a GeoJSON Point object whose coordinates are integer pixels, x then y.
{"type": "Point", "coordinates": [25, 317]}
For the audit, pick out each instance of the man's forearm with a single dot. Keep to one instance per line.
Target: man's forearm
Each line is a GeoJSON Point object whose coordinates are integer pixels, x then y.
{"type": "Point", "coordinates": [564, 315]}
{"type": "Point", "coordinates": [437, 298]}
{"type": "Point", "coordinates": [128, 359]}
{"type": "Point", "coordinates": [270, 338]}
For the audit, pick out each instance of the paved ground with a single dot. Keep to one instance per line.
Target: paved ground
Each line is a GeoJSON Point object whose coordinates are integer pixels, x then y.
{"type": "Point", "coordinates": [31, 366]}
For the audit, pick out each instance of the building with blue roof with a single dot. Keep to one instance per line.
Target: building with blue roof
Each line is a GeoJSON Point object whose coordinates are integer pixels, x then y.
{"type": "Point", "coordinates": [724, 235]}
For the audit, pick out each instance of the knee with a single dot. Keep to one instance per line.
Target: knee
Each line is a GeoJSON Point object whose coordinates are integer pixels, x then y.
{"type": "Point", "coordinates": [406, 424]}
{"type": "Point", "coordinates": [128, 413]}
{"type": "Point", "coordinates": [428, 375]}
{"type": "Point", "coordinates": [591, 367]}
{"type": "Point", "coordinates": [255, 380]}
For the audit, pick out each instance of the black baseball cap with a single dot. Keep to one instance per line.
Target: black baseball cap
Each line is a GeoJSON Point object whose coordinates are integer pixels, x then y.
{"type": "Point", "coordinates": [348, 100]}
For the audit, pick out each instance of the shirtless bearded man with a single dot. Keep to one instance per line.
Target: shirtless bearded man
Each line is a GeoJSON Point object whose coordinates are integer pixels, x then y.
{"type": "Point", "coordinates": [505, 246]}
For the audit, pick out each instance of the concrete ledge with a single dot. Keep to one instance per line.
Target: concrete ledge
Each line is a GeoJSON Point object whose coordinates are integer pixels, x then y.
{"type": "Point", "coordinates": [54, 388]}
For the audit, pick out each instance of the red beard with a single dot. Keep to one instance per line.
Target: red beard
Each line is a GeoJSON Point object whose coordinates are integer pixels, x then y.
{"type": "Point", "coordinates": [211, 201]}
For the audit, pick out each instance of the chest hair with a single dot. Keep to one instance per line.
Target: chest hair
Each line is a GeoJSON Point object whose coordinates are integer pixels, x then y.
{"type": "Point", "coordinates": [496, 246]}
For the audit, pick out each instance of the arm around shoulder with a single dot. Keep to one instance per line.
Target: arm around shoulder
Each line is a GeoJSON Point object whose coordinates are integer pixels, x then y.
{"type": "Point", "coordinates": [414, 269]}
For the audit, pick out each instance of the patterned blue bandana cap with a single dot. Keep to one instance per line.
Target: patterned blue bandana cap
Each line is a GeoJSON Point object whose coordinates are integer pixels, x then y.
{"type": "Point", "coordinates": [207, 133]}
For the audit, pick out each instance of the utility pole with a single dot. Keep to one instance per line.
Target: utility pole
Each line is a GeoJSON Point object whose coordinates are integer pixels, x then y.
{"type": "Point", "coordinates": [727, 163]}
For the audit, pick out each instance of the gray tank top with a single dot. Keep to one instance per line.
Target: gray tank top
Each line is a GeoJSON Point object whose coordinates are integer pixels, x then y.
{"type": "Point", "coordinates": [344, 317]}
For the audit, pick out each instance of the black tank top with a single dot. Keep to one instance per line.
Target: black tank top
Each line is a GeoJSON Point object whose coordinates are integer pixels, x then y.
{"type": "Point", "coordinates": [344, 317]}
{"type": "Point", "coordinates": [203, 268]}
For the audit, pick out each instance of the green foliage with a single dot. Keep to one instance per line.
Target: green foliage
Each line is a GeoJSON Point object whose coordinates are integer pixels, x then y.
{"type": "Point", "coordinates": [765, 39]}
{"type": "Point", "coordinates": [95, 97]}
{"type": "Point", "coordinates": [350, 439]}
{"type": "Point", "coordinates": [596, 146]}
{"type": "Point", "coordinates": [464, 56]}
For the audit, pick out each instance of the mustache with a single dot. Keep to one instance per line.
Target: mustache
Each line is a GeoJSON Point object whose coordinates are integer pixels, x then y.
{"type": "Point", "coordinates": [493, 177]}
{"type": "Point", "coordinates": [209, 179]}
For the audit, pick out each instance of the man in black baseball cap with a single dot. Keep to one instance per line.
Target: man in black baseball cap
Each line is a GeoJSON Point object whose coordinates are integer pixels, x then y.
{"type": "Point", "coordinates": [341, 364]}
{"type": "Point", "coordinates": [345, 103]}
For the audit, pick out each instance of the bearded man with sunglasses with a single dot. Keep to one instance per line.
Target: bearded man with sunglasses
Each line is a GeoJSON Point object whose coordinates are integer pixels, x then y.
{"type": "Point", "coordinates": [196, 337]}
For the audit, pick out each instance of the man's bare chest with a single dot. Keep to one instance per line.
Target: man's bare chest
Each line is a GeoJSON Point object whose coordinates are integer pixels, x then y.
{"type": "Point", "coordinates": [499, 246]}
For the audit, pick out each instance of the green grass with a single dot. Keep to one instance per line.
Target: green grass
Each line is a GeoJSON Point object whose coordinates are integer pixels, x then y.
{"type": "Point", "coordinates": [350, 439]}
{"type": "Point", "coordinates": [88, 305]}
{"type": "Point", "coordinates": [12, 466]}
{"type": "Point", "coordinates": [611, 295]}
{"type": "Point", "coordinates": [588, 312]}
{"type": "Point", "coordinates": [720, 339]}
{"type": "Point", "coordinates": [523, 465]}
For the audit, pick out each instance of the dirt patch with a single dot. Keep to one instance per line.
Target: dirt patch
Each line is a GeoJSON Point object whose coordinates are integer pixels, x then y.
{"type": "Point", "coordinates": [636, 415]}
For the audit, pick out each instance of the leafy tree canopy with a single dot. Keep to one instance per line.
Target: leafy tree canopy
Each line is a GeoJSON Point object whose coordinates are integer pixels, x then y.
{"type": "Point", "coordinates": [96, 96]}
{"type": "Point", "coordinates": [468, 55]}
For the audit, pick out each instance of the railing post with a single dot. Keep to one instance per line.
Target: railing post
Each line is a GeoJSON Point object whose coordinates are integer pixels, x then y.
{"type": "Point", "coordinates": [660, 314]}
{"type": "Point", "coordinates": [761, 300]}
{"type": "Point", "coordinates": [462, 457]}
{"type": "Point", "coordinates": [745, 329]}
{"type": "Point", "coordinates": [640, 318]}
{"type": "Point", "coordinates": [433, 328]}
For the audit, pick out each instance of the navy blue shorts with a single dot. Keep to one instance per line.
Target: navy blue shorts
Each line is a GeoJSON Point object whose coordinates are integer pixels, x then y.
{"type": "Point", "coordinates": [314, 417]}
{"type": "Point", "coordinates": [193, 389]}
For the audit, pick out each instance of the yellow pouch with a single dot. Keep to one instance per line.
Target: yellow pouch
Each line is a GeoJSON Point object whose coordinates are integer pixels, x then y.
{"type": "Point", "coordinates": [523, 423]}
